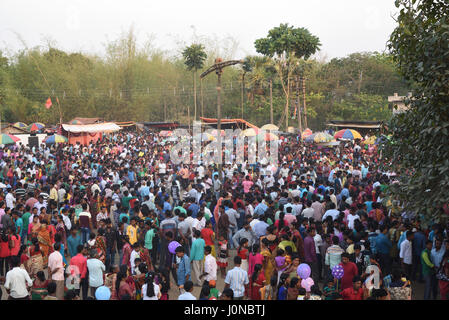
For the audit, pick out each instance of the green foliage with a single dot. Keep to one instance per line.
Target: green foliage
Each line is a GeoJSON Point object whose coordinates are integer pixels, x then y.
{"type": "Point", "coordinates": [143, 83]}
{"type": "Point", "coordinates": [194, 56]}
{"type": "Point", "coordinates": [289, 41]}
{"type": "Point", "coordinates": [418, 149]}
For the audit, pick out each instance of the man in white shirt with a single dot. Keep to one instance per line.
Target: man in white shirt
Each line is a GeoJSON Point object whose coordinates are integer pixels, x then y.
{"type": "Point", "coordinates": [406, 254]}
{"type": "Point", "coordinates": [331, 212]}
{"type": "Point", "coordinates": [17, 281]}
{"type": "Point", "coordinates": [187, 295]}
{"type": "Point", "coordinates": [351, 218]}
{"type": "Point", "coordinates": [210, 265]}
{"type": "Point", "coordinates": [134, 255]}
{"type": "Point", "coordinates": [236, 279]}
{"type": "Point", "coordinates": [56, 270]}
{"type": "Point", "coordinates": [308, 211]}
{"type": "Point", "coordinates": [10, 200]}
{"type": "Point", "coordinates": [96, 269]}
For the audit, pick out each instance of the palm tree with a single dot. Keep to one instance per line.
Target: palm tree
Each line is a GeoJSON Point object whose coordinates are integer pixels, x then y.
{"type": "Point", "coordinates": [194, 57]}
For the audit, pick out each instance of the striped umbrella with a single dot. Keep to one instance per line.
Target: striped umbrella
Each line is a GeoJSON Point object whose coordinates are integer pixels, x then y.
{"type": "Point", "coordinates": [37, 126]}
{"type": "Point", "coordinates": [8, 138]}
{"type": "Point", "coordinates": [20, 125]}
{"type": "Point", "coordinates": [56, 138]}
{"type": "Point", "coordinates": [348, 134]}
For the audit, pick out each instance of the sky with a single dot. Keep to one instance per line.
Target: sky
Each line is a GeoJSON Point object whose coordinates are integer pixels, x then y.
{"type": "Point", "coordinates": [344, 26]}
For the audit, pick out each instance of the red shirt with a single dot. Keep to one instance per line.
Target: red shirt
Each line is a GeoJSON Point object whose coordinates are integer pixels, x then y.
{"type": "Point", "coordinates": [351, 294]}
{"type": "Point", "coordinates": [16, 249]}
{"type": "Point", "coordinates": [81, 262]}
{"type": "Point", "coordinates": [350, 271]}
{"type": "Point", "coordinates": [207, 234]}
{"type": "Point", "coordinates": [4, 249]}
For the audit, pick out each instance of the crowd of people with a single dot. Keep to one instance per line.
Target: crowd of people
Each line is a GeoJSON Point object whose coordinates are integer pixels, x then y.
{"type": "Point", "coordinates": [118, 220]}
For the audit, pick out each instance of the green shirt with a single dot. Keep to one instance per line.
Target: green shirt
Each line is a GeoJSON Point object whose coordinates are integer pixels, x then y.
{"type": "Point", "coordinates": [213, 293]}
{"type": "Point", "coordinates": [125, 202]}
{"type": "Point", "coordinates": [149, 235]}
{"type": "Point", "coordinates": [26, 221]}
{"type": "Point", "coordinates": [427, 264]}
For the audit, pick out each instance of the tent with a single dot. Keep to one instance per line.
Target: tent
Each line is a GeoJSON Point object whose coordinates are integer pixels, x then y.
{"type": "Point", "coordinates": [86, 133]}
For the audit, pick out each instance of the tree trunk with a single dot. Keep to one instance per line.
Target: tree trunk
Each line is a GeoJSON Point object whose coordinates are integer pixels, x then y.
{"type": "Point", "coordinates": [243, 91]}
{"type": "Point", "coordinates": [202, 101]}
{"type": "Point", "coordinates": [271, 101]}
{"type": "Point", "coordinates": [194, 94]}
{"type": "Point", "coordinates": [304, 99]}
{"type": "Point", "coordinates": [298, 106]}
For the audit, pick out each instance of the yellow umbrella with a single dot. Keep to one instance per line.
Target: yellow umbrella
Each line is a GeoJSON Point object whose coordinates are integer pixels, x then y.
{"type": "Point", "coordinates": [270, 126]}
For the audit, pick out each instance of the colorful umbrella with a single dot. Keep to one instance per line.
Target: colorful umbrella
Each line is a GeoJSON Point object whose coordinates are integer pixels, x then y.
{"type": "Point", "coordinates": [306, 133]}
{"type": "Point", "coordinates": [20, 125]}
{"type": "Point", "coordinates": [56, 138]}
{"type": "Point", "coordinates": [8, 139]}
{"type": "Point", "coordinates": [347, 134]}
{"type": "Point", "coordinates": [37, 126]}
{"type": "Point", "coordinates": [319, 137]}
{"type": "Point", "coordinates": [270, 126]}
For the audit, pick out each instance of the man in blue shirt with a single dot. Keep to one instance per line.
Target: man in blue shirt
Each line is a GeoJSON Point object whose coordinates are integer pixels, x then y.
{"type": "Point", "coordinates": [260, 228]}
{"type": "Point", "coordinates": [182, 263]}
{"type": "Point", "coordinates": [197, 256]}
{"type": "Point", "coordinates": [260, 208]}
{"type": "Point", "coordinates": [383, 247]}
{"type": "Point", "coordinates": [418, 245]}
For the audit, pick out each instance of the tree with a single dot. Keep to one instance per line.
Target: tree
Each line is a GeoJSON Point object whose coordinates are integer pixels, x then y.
{"type": "Point", "coordinates": [286, 45]}
{"type": "Point", "coordinates": [194, 57]}
{"type": "Point", "coordinates": [418, 150]}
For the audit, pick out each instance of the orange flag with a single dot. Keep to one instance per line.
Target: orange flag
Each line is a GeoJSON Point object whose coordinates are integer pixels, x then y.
{"type": "Point", "coordinates": [48, 103]}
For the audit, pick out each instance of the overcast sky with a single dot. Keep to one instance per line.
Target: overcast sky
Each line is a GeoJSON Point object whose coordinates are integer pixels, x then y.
{"type": "Point", "coordinates": [343, 27]}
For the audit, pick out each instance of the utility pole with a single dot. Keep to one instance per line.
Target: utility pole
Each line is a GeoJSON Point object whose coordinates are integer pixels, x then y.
{"type": "Point", "coordinates": [218, 67]}
{"type": "Point", "coordinates": [298, 106]}
{"type": "Point", "coordinates": [304, 99]}
{"type": "Point", "coordinates": [202, 101]}
{"type": "Point", "coordinates": [271, 101]}
{"type": "Point", "coordinates": [243, 91]}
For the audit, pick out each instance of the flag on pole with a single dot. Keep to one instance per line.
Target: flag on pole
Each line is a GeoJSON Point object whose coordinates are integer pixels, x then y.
{"type": "Point", "coordinates": [48, 103]}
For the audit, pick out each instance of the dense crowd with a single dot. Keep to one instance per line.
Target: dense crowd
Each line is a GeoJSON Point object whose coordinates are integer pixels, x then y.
{"type": "Point", "coordinates": [118, 220]}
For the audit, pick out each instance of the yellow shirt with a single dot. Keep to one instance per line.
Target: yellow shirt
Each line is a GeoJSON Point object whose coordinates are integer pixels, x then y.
{"type": "Point", "coordinates": [131, 232]}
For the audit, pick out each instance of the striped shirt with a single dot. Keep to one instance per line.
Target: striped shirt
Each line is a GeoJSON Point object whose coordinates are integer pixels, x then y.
{"type": "Point", "coordinates": [237, 278]}
{"type": "Point", "coordinates": [20, 192]}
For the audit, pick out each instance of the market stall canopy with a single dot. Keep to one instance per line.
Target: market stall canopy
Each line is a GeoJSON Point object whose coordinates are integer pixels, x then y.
{"type": "Point", "coordinates": [97, 127]}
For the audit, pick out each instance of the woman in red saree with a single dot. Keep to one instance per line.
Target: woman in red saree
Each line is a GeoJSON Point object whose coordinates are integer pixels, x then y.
{"type": "Point", "coordinates": [257, 282]}
{"type": "Point", "coordinates": [100, 243]}
{"type": "Point", "coordinates": [44, 239]}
